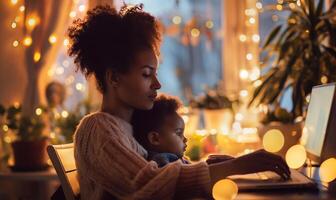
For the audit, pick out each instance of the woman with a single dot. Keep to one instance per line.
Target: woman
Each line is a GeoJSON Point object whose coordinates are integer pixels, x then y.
{"type": "Point", "coordinates": [120, 49]}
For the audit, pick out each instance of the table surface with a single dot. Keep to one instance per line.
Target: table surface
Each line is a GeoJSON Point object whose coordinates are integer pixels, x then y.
{"type": "Point", "coordinates": [45, 175]}
{"type": "Point", "coordinates": [282, 194]}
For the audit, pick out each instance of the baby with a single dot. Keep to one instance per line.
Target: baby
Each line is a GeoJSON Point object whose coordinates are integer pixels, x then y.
{"type": "Point", "coordinates": [160, 131]}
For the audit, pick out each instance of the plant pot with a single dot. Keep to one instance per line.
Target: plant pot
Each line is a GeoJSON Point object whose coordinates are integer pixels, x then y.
{"type": "Point", "coordinates": [291, 131]}
{"type": "Point", "coordinates": [30, 155]}
{"type": "Point", "coordinates": [191, 121]}
{"type": "Point", "coordinates": [219, 119]}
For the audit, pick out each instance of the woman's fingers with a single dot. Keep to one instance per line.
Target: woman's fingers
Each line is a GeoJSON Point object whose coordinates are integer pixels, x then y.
{"type": "Point", "coordinates": [278, 165]}
{"type": "Point", "coordinates": [280, 171]}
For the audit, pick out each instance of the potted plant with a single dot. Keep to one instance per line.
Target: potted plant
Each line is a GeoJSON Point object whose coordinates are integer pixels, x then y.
{"type": "Point", "coordinates": [218, 110]}
{"type": "Point", "coordinates": [66, 125]}
{"type": "Point", "coordinates": [298, 55]}
{"type": "Point", "coordinates": [29, 141]}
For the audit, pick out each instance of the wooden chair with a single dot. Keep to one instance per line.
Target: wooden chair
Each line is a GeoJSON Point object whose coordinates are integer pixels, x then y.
{"type": "Point", "coordinates": [62, 157]}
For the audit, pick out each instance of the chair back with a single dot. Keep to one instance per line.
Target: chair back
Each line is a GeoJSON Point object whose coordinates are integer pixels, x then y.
{"type": "Point", "coordinates": [62, 157]}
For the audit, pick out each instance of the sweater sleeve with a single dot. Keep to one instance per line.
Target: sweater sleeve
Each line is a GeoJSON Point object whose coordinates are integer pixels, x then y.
{"type": "Point", "coordinates": [111, 163]}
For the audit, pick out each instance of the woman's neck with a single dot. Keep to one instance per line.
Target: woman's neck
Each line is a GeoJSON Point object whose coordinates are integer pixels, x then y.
{"type": "Point", "coordinates": [117, 108]}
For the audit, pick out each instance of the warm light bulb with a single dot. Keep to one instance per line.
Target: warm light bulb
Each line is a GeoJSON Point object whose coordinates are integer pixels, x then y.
{"type": "Point", "coordinates": [64, 114]}
{"type": "Point", "coordinates": [259, 5]}
{"type": "Point", "coordinates": [195, 32]}
{"type": "Point", "coordinates": [324, 79]}
{"type": "Point", "coordinates": [252, 20]}
{"type": "Point", "coordinates": [279, 7]}
{"type": "Point", "coordinates": [59, 70]}
{"type": "Point", "coordinates": [5, 128]}
{"type": "Point", "coordinates": [52, 39]}
{"type": "Point", "coordinates": [13, 25]}
{"type": "Point", "coordinates": [243, 93]}
{"type": "Point", "coordinates": [81, 8]}
{"type": "Point", "coordinates": [14, 2]}
{"type": "Point", "coordinates": [225, 189]}
{"type": "Point", "coordinates": [38, 111]}
{"type": "Point", "coordinates": [242, 38]}
{"type": "Point", "coordinates": [249, 56]}
{"type": "Point", "coordinates": [292, 5]}
{"type": "Point", "coordinates": [27, 41]}
{"type": "Point", "coordinates": [254, 74]}
{"type": "Point", "coordinates": [65, 63]}
{"type": "Point", "coordinates": [15, 43]}
{"type": "Point", "coordinates": [243, 74]}
{"type": "Point", "coordinates": [32, 22]}
{"type": "Point", "coordinates": [72, 14]}
{"type": "Point", "coordinates": [79, 87]}
{"type": "Point", "coordinates": [22, 8]}
{"type": "Point", "coordinates": [273, 140]}
{"type": "Point", "coordinates": [296, 156]}
{"type": "Point", "coordinates": [66, 42]}
{"type": "Point", "coordinates": [177, 19]}
{"type": "Point", "coordinates": [327, 170]}
{"type": "Point", "coordinates": [255, 38]}
{"type": "Point", "coordinates": [209, 24]}
{"type": "Point", "coordinates": [37, 56]}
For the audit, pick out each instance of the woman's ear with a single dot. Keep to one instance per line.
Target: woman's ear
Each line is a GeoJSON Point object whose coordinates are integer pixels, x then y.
{"type": "Point", "coordinates": [153, 138]}
{"type": "Point", "coordinates": [112, 77]}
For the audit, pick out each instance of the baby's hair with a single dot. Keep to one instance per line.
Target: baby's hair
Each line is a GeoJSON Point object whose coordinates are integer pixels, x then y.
{"type": "Point", "coordinates": [145, 121]}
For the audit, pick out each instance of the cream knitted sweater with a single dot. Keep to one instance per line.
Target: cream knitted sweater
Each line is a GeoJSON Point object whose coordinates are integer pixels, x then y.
{"type": "Point", "coordinates": [110, 162]}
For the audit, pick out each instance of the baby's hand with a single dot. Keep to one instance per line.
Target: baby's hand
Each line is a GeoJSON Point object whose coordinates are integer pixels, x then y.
{"type": "Point", "coordinates": [218, 158]}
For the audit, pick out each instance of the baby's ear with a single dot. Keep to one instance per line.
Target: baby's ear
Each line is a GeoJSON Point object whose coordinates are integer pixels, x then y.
{"type": "Point", "coordinates": [153, 138]}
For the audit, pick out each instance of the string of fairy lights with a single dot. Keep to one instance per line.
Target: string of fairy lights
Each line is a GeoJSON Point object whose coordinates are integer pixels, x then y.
{"type": "Point", "coordinates": [62, 70]}
{"type": "Point", "coordinates": [250, 72]}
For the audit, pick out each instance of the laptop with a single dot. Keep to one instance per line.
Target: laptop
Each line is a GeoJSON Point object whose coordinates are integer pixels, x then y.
{"type": "Point", "coordinates": [317, 138]}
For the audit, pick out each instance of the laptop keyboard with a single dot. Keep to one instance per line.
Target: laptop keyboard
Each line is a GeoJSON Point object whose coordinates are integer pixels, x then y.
{"type": "Point", "coordinates": [269, 176]}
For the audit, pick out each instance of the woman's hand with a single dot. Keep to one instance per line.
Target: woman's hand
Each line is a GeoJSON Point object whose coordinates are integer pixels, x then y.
{"type": "Point", "coordinates": [262, 160]}
{"type": "Point", "coordinates": [257, 161]}
{"type": "Point", "coordinates": [218, 158]}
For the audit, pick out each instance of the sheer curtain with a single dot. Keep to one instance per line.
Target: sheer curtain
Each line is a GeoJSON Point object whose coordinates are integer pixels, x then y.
{"type": "Point", "coordinates": [51, 17]}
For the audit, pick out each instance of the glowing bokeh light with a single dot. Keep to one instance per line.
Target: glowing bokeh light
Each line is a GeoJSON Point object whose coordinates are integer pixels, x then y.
{"type": "Point", "coordinates": [273, 140]}
{"type": "Point", "coordinates": [296, 156]}
{"type": "Point", "coordinates": [327, 170]}
{"type": "Point", "coordinates": [225, 189]}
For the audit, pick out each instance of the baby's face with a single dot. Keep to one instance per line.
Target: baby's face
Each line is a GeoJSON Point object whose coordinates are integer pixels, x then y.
{"type": "Point", "coordinates": [172, 139]}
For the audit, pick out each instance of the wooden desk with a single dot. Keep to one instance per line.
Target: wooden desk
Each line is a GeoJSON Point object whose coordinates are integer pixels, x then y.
{"type": "Point", "coordinates": [28, 185]}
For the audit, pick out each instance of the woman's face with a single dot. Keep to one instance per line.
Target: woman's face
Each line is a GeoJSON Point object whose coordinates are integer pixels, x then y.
{"type": "Point", "coordinates": [138, 87]}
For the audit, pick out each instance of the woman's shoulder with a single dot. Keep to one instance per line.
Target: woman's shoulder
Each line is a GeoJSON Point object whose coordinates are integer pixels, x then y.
{"type": "Point", "coordinates": [98, 119]}
{"type": "Point", "coordinates": [104, 123]}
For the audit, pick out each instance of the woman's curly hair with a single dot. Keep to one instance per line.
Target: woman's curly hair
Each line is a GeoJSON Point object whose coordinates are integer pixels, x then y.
{"type": "Point", "coordinates": [108, 39]}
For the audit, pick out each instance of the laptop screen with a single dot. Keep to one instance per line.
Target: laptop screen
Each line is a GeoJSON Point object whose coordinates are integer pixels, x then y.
{"type": "Point", "coordinates": [317, 118]}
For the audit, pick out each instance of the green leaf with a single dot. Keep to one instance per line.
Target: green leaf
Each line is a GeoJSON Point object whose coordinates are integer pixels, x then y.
{"type": "Point", "coordinates": [285, 74]}
{"type": "Point", "coordinates": [333, 5]}
{"type": "Point", "coordinates": [2, 110]}
{"type": "Point", "coordinates": [272, 35]}
{"type": "Point", "coordinates": [257, 91]}
{"type": "Point", "coordinates": [320, 8]}
{"type": "Point", "coordinates": [331, 51]}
